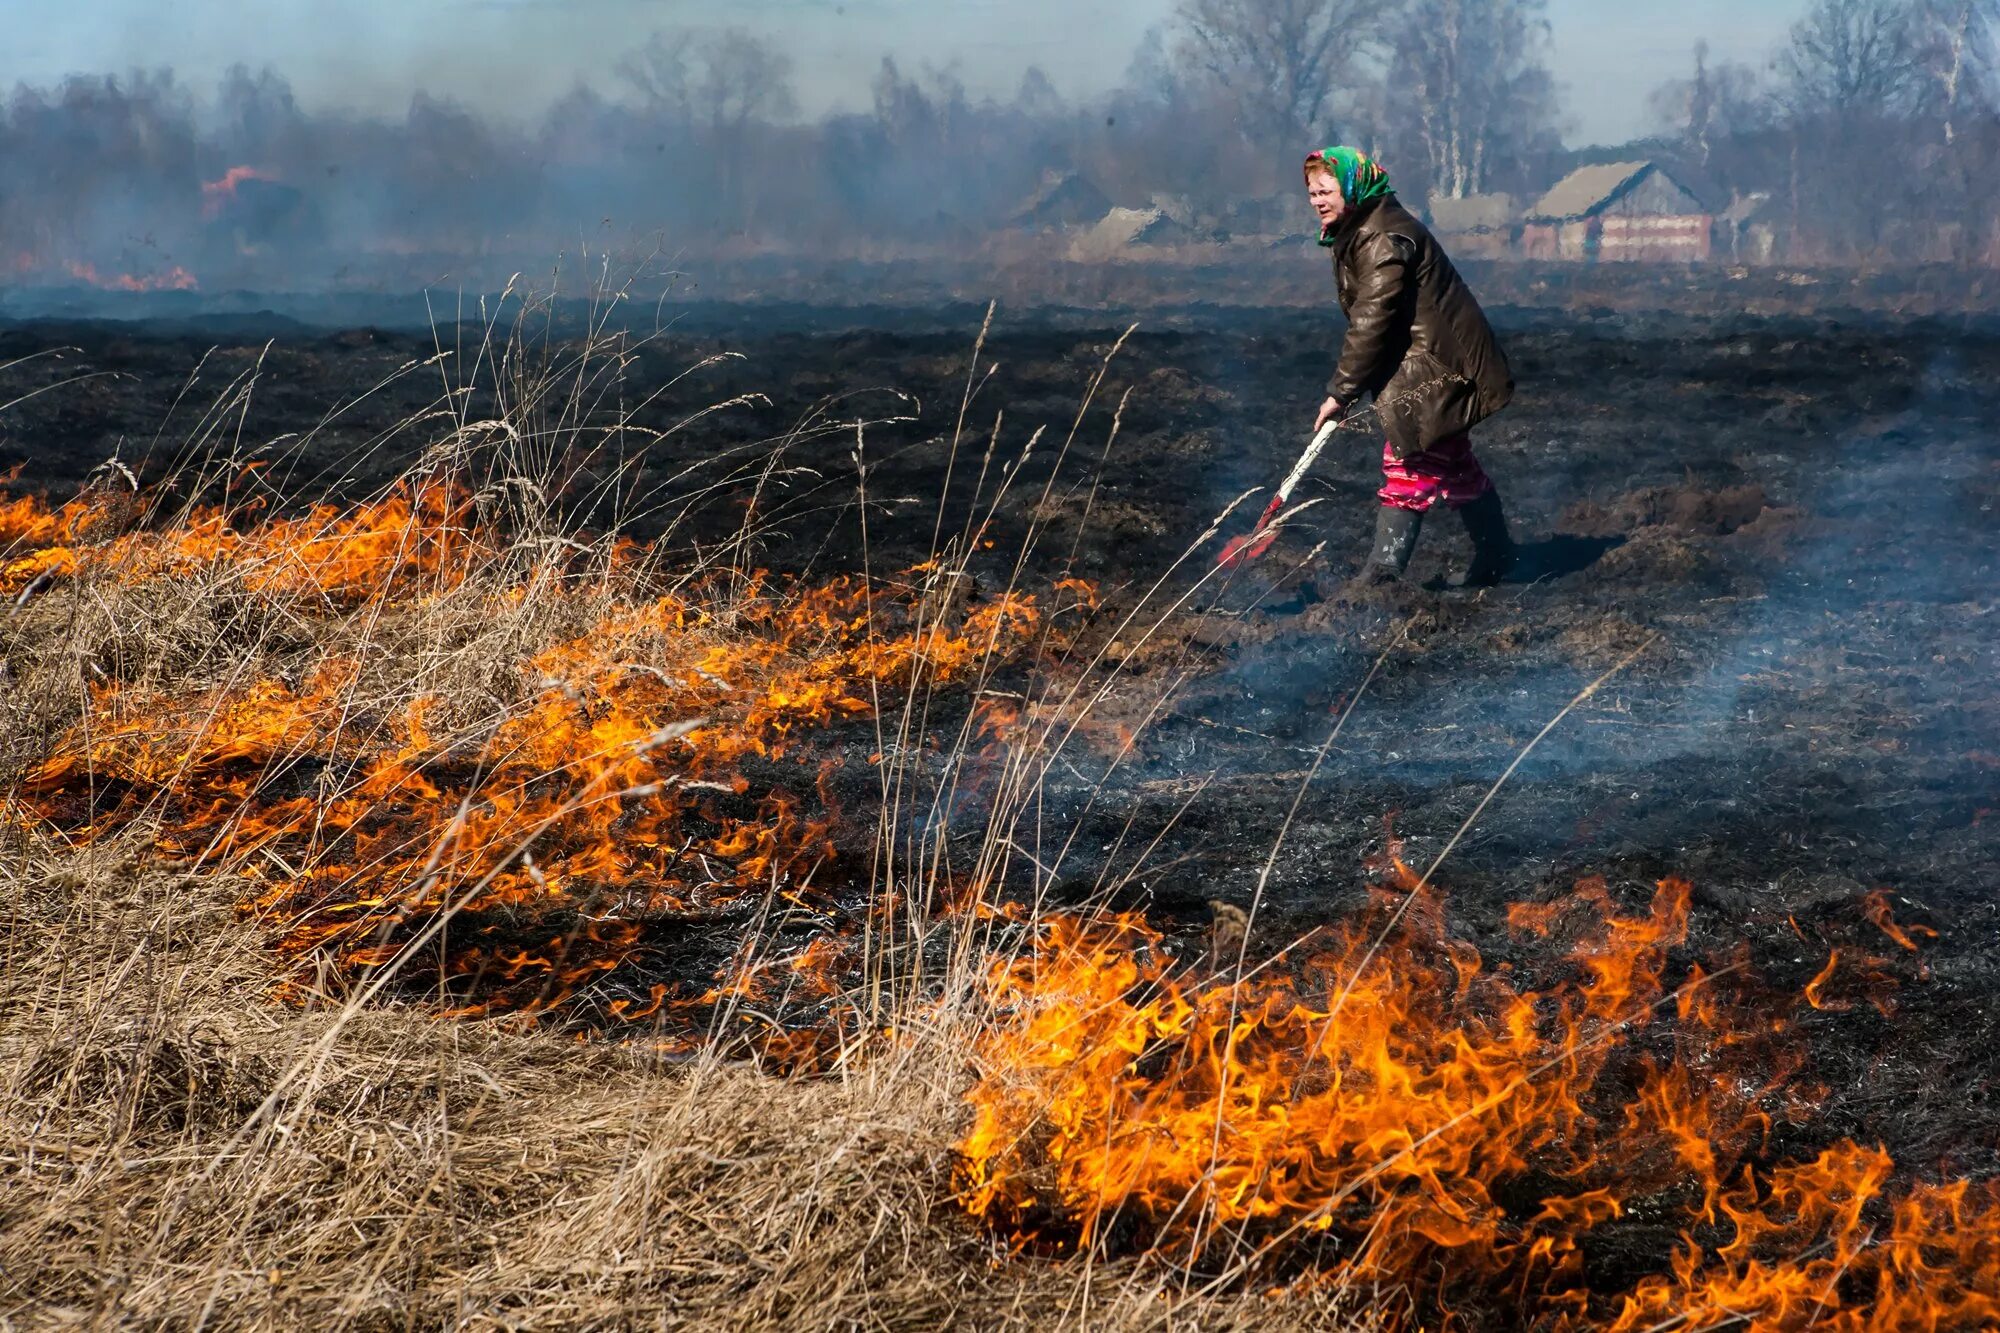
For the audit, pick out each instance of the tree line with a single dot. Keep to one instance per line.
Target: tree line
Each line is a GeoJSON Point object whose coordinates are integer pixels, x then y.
{"type": "Point", "coordinates": [1871, 135]}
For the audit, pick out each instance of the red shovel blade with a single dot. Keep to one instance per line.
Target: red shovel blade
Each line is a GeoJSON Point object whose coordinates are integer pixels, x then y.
{"type": "Point", "coordinates": [1241, 550]}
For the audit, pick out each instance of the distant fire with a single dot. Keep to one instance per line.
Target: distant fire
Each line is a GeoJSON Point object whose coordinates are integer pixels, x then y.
{"type": "Point", "coordinates": [175, 279]}
{"type": "Point", "coordinates": [217, 194]}
{"type": "Point", "coordinates": [218, 198]}
{"type": "Point", "coordinates": [26, 265]}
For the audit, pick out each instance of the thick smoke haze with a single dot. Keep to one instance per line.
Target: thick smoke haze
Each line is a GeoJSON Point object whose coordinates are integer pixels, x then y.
{"type": "Point", "coordinates": [224, 146]}
{"type": "Point", "coordinates": [513, 58]}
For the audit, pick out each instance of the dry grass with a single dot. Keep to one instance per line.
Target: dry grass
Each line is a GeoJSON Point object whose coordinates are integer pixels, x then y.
{"type": "Point", "coordinates": [179, 1150]}
{"type": "Point", "coordinates": [455, 1175]}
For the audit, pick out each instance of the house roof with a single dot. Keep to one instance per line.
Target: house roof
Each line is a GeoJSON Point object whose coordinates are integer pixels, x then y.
{"type": "Point", "coordinates": [1063, 196]}
{"type": "Point", "coordinates": [1122, 227]}
{"type": "Point", "coordinates": [1478, 212]}
{"type": "Point", "coordinates": [1588, 189]}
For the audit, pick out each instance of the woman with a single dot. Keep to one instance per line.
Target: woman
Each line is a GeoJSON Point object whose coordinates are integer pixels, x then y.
{"type": "Point", "coordinates": [1419, 343]}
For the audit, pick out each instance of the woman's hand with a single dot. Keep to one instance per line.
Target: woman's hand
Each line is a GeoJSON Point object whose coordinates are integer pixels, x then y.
{"type": "Point", "coordinates": [1329, 410]}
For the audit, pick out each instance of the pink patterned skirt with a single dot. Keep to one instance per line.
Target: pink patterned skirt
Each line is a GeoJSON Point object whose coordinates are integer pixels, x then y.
{"type": "Point", "coordinates": [1446, 471]}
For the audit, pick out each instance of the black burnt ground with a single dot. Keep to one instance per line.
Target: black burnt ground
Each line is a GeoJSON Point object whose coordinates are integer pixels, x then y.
{"type": "Point", "coordinates": [1798, 514]}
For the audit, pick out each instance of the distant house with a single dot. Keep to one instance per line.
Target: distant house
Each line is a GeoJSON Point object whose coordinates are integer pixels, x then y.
{"type": "Point", "coordinates": [1121, 229]}
{"type": "Point", "coordinates": [1750, 224]}
{"type": "Point", "coordinates": [1479, 226]}
{"type": "Point", "coordinates": [1063, 199]}
{"type": "Point", "coordinates": [1276, 215]}
{"type": "Point", "coordinates": [1197, 220]}
{"type": "Point", "coordinates": [1178, 207]}
{"type": "Point", "coordinates": [1619, 211]}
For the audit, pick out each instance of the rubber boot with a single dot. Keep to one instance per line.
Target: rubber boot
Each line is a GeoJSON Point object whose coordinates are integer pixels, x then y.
{"type": "Point", "coordinates": [1493, 555]}
{"type": "Point", "coordinates": [1396, 531]}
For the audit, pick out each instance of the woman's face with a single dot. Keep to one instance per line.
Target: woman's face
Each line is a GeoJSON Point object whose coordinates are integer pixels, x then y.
{"type": "Point", "coordinates": [1324, 192]}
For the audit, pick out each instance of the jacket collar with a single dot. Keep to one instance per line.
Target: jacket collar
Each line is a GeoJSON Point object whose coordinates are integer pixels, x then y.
{"type": "Point", "coordinates": [1351, 221]}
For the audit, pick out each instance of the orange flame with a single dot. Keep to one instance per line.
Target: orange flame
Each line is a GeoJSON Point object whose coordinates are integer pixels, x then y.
{"type": "Point", "coordinates": [379, 549]}
{"type": "Point", "coordinates": [1419, 1124]}
{"type": "Point", "coordinates": [608, 791]}
{"type": "Point", "coordinates": [216, 194]}
{"type": "Point", "coordinates": [174, 279]}
{"type": "Point", "coordinates": [1876, 907]}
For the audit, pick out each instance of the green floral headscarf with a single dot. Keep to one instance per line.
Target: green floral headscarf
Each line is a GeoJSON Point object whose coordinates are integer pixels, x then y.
{"type": "Point", "coordinates": [1361, 178]}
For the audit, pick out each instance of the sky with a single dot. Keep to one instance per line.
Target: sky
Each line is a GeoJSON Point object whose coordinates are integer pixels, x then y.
{"type": "Point", "coordinates": [513, 57]}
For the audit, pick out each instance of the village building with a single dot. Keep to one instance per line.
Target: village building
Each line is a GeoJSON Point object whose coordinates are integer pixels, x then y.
{"type": "Point", "coordinates": [1122, 229]}
{"type": "Point", "coordinates": [1266, 215]}
{"type": "Point", "coordinates": [1063, 199]}
{"type": "Point", "coordinates": [1619, 211]}
{"type": "Point", "coordinates": [1479, 226]}
{"type": "Point", "coordinates": [1749, 227]}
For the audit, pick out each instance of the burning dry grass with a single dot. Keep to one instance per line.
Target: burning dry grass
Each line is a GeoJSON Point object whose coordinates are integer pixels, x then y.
{"type": "Point", "coordinates": [286, 789]}
{"type": "Point", "coordinates": [1428, 1126]}
{"type": "Point", "coordinates": [428, 759]}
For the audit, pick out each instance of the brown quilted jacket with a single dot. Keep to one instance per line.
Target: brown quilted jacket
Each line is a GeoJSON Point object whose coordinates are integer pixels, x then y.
{"type": "Point", "coordinates": [1416, 338]}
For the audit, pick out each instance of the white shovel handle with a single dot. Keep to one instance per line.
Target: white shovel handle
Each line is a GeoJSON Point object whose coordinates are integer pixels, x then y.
{"type": "Point", "coordinates": [1306, 459]}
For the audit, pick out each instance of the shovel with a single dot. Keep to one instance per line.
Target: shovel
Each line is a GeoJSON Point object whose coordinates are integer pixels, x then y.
{"type": "Point", "coordinates": [1255, 542]}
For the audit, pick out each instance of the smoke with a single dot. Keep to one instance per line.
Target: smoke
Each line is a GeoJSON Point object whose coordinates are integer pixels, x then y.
{"type": "Point", "coordinates": [714, 144]}
{"type": "Point", "coordinates": [1815, 574]}
{"type": "Point", "coordinates": [692, 151]}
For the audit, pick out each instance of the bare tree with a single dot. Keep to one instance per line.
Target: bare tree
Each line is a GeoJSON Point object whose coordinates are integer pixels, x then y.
{"type": "Point", "coordinates": [1282, 62]}
{"type": "Point", "coordinates": [1714, 104]}
{"type": "Point", "coordinates": [744, 79]}
{"type": "Point", "coordinates": [1470, 76]}
{"type": "Point", "coordinates": [253, 108]}
{"type": "Point", "coordinates": [1959, 36]}
{"type": "Point", "coordinates": [1854, 80]}
{"type": "Point", "coordinates": [1151, 76]}
{"type": "Point", "coordinates": [724, 80]}
{"type": "Point", "coordinates": [1855, 57]}
{"type": "Point", "coordinates": [659, 73]}
{"type": "Point", "coordinates": [922, 115]}
{"type": "Point", "coordinates": [715, 93]}
{"type": "Point", "coordinates": [1037, 98]}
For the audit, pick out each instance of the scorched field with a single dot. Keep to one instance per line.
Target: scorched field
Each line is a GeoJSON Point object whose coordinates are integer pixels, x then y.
{"type": "Point", "coordinates": [771, 823]}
